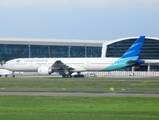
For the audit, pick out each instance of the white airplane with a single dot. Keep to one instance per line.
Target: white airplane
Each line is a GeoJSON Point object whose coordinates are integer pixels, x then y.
{"type": "Point", "coordinates": [4, 72]}
{"type": "Point", "coordinates": [67, 66]}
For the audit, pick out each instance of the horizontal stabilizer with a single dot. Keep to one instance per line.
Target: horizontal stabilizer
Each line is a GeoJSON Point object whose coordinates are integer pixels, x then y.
{"type": "Point", "coordinates": [131, 61]}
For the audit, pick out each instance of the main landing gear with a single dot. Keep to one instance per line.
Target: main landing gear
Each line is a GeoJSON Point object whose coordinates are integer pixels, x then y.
{"type": "Point", "coordinates": [13, 75]}
{"type": "Point", "coordinates": [66, 76]}
{"type": "Point", "coordinates": [70, 76]}
{"type": "Point", "coordinates": [78, 76]}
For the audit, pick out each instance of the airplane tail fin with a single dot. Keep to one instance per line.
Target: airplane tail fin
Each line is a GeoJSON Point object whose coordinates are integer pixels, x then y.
{"type": "Point", "coordinates": [130, 57]}
{"type": "Point", "coordinates": [135, 49]}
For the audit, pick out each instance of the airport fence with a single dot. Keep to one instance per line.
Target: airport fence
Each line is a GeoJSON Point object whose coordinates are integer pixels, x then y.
{"type": "Point", "coordinates": [127, 73]}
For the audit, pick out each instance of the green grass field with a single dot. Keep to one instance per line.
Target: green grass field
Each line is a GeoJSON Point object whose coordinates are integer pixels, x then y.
{"type": "Point", "coordinates": [79, 108]}
{"type": "Point", "coordinates": [78, 82]}
{"type": "Point", "coordinates": [81, 84]}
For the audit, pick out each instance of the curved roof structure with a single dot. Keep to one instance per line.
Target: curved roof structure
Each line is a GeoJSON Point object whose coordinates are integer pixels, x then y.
{"type": "Point", "coordinates": [127, 38]}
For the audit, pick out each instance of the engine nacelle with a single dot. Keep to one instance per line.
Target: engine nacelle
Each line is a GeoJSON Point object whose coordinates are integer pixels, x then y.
{"type": "Point", "coordinates": [43, 70]}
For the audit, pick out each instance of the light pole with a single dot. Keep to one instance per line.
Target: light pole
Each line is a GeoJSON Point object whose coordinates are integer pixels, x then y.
{"type": "Point", "coordinates": [29, 50]}
{"type": "Point", "coordinates": [69, 50]}
{"type": "Point", "coordinates": [85, 51]}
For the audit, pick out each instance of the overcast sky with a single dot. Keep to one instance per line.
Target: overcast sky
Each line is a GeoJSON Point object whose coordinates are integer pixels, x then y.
{"type": "Point", "coordinates": [79, 19]}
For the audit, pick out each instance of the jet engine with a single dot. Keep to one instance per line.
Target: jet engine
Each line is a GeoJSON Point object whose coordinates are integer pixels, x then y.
{"type": "Point", "coordinates": [43, 70]}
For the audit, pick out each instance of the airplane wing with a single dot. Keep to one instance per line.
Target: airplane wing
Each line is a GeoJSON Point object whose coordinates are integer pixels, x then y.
{"type": "Point", "coordinates": [64, 69]}
{"type": "Point", "coordinates": [58, 65]}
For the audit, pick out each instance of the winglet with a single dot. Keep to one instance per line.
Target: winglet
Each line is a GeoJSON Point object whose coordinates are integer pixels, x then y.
{"type": "Point", "coordinates": [135, 48]}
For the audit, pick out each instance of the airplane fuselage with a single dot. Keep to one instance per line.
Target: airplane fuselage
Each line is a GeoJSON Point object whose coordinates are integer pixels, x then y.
{"type": "Point", "coordinates": [32, 64]}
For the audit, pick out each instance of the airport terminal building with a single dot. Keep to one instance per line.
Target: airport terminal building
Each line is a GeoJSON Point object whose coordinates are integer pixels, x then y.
{"type": "Point", "coordinates": [11, 48]}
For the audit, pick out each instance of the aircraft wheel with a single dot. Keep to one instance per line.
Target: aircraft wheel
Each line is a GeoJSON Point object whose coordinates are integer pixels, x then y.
{"type": "Point", "coordinates": [13, 75]}
{"type": "Point", "coordinates": [6, 75]}
{"type": "Point", "coordinates": [82, 75]}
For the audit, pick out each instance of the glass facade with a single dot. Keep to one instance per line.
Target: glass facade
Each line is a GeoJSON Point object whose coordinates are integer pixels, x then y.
{"type": "Point", "coordinates": [117, 49]}
{"type": "Point", "coordinates": [39, 51]}
{"type": "Point", "coordinates": [8, 52]}
{"type": "Point", "coordinates": [150, 49]}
